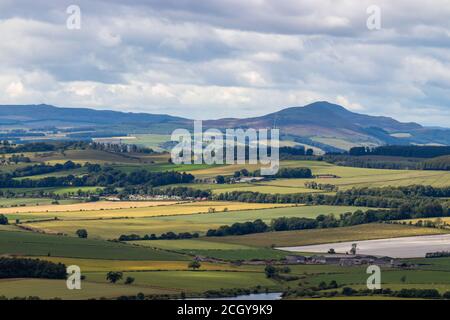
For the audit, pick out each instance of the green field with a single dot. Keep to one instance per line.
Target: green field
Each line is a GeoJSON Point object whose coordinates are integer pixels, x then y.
{"type": "Point", "coordinates": [49, 289]}
{"type": "Point", "coordinates": [36, 244]}
{"type": "Point", "coordinates": [195, 281]}
{"type": "Point", "coordinates": [19, 202]}
{"type": "Point", "coordinates": [349, 177]}
{"type": "Point", "coordinates": [113, 228]}
{"type": "Point", "coordinates": [318, 236]}
{"type": "Point", "coordinates": [215, 250]}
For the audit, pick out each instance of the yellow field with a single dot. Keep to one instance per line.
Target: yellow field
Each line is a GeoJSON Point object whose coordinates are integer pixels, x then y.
{"type": "Point", "coordinates": [100, 265]}
{"type": "Point", "coordinates": [349, 177]}
{"type": "Point", "coordinates": [87, 206]}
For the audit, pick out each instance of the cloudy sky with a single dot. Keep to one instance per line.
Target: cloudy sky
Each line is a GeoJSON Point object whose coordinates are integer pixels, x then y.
{"type": "Point", "coordinates": [229, 58]}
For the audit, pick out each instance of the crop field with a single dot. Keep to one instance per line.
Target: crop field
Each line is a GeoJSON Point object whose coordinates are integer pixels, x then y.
{"type": "Point", "coordinates": [86, 206]}
{"type": "Point", "coordinates": [36, 244]}
{"type": "Point", "coordinates": [319, 236]}
{"type": "Point", "coordinates": [179, 221]}
{"type": "Point", "coordinates": [136, 209]}
{"type": "Point", "coordinates": [103, 265]}
{"type": "Point", "coordinates": [20, 204]}
{"type": "Point", "coordinates": [83, 156]}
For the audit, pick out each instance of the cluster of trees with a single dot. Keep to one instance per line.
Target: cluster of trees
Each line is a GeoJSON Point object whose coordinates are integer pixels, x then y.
{"type": "Point", "coordinates": [7, 147]}
{"type": "Point", "coordinates": [43, 168]}
{"type": "Point", "coordinates": [119, 147]}
{"type": "Point", "coordinates": [387, 162]}
{"type": "Point", "coordinates": [100, 176]}
{"type": "Point", "coordinates": [321, 186]}
{"type": "Point", "coordinates": [16, 158]}
{"type": "Point", "coordinates": [114, 276]}
{"type": "Point", "coordinates": [296, 151]}
{"type": "Point", "coordinates": [374, 162]}
{"type": "Point", "coordinates": [182, 192]}
{"type": "Point", "coordinates": [273, 272]}
{"type": "Point", "coordinates": [402, 151]}
{"type": "Point", "coordinates": [3, 219]}
{"type": "Point", "coordinates": [439, 163]}
{"type": "Point", "coordinates": [238, 228]}
{"type": "Point", "coordinates": [413, 191]}
{"type": "Point", "coordinates": [416, 207]}
{"type": "Point", "coordinates": [31, 268]}
{"type": "Point", "coordinates": [165, 236]}
{"type": "Point", "coordinates": [420, 293]}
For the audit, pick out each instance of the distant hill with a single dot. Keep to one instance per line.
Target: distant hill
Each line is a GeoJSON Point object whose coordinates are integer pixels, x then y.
{"type": "Point", "coordinates": [35, 115]}
{"type": "Point", "coordinates": [322, 125]}
{"type": "Point", "coordinates": [325, 124]}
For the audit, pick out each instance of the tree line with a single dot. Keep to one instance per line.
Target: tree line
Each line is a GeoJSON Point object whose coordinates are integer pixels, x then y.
{"type": "Point", "coordinates": [410, 151]}
{"type": "Point", "coordinates": [320, 222]}
{"type": "Point", "coordinates": [419, 207]}
{"type": "Point", "coordinates": [100, 176]}
{"type": "Point", "coordinates": [31, 268]}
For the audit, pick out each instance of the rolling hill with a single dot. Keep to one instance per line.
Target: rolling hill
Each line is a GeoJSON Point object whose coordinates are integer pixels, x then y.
{"type": "Point", "coordinates": [320, 124]}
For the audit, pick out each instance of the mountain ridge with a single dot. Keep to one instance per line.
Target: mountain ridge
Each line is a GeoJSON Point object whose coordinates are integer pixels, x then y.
{"type": "Point", "coordinates": [320, 123]}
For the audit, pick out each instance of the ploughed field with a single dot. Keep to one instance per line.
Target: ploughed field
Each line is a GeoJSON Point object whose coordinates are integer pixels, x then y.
{"type": "Point", "coordinates": [406, 247]}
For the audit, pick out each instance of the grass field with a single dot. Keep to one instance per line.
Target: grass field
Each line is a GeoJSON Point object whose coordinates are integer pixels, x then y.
{"type": "Point", "coordinates": [195, 281]}
{"type": "Point", "coordinates": [181, 222]}
{"type": "Point", "coordinates": [318, 236]}
{"type": "Point", "coordinates": [20, 204]}
{"type": "Point", "coordinates": [215, 250]}
{"type": "Point", "coordinates": [55, 190]}
{"type": "Point", "coordinates": [49, 289]}
{"type": "Point", "coordinates": [35, 244]}
{"type": "Point", "coordinates": [103, 265]}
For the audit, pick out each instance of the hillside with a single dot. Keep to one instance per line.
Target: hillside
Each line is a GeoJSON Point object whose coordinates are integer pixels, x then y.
{"type": "Point", "coordinates": [323, 125]}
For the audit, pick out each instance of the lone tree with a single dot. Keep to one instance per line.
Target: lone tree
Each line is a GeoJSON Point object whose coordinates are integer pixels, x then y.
{"type": "Point", "coordinates": [220, 179]}
{"type": "Point", "coordinates": [113, 277]}
{"type": "Point", "coordinates": [353, 249]}
{"type": "Point", "coordinates": [271, 271]}
{"type": "Point", "coordinates": [3, 219]}
{"type": "Point", "coordinates": [129, 280]}
{"type": "Point", "coordinates": [194, 265]}
{"type": "Point", "coordinates": [82, 233]}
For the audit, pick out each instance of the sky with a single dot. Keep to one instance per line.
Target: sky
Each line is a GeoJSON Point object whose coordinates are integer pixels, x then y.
{"type": "Point", "coordinates": [229, 58]}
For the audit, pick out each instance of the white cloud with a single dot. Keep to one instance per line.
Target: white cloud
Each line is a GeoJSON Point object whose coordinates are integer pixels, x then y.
{"type": "Point", "coordinates": [229, 57]}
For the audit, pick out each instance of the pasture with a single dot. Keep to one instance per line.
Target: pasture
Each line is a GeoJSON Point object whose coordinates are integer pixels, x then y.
{"type": "Point", "coordinates": [25, 243]}
{"type": "Point", "coordinates": [49, 289]}
{"type": "Point", "coordinates": [215, 250]}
